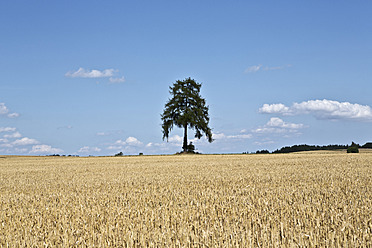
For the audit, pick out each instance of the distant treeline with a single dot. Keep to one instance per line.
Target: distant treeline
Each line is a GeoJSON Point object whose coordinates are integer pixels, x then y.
{"type": "Point", "coordinates": [301, 148]}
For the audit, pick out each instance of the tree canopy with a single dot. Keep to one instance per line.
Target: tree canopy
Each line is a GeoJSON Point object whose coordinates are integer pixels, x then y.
{"type": "Point", "coordinates": [186, 108]}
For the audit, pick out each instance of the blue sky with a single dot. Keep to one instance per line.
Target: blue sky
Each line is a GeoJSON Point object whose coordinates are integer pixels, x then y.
{"type": "Point", "coordinates": [92, 77]}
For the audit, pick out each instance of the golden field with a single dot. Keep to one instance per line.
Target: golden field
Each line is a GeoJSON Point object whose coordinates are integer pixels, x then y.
{"type": "Point", "coordinates": [315, 199]}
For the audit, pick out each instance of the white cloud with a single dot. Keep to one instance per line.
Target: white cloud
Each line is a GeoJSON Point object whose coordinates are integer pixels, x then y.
{"type": "Point", "coordinates": [7, 129]}
{"type": "Point", "coordinates": [322, 109]}
{"type": "Point", "coordinates": [45, 149]}
{"type": "Point", "coordinates": [132, 145]}
{"type": "Point", "coordinates": [82, 73]}
{"type": "Point", "coordinates": [114, 147]}
{"type": "Point", "coordinates": [334, 110]}
{"type": "Point", "coordinates": [117, 80]}
{"type": "Point", "coordinates": [277, 125]}
{"type": "Point", "coordinates": [5, 111]}
{"type": "Point", "coordinates": [130, 141]}
{"type": "Point", "coordinates": [133, 141]}
{"type": "Point", "coordinates": [87, 149]}
{"type": "Point", "coordinates": [239, 136]}
{"type": "Point", "coordinates": [175, 139]}
{"type": "Point", "coordinates": [120, 143]}
{"type": "Point", "coordinates": [15, 144]}
{"type": "Point", "coordinates": [256, 68]}
{"type": "Point", "coordinates": [129, 146]}
{"type": "Point", "coordinates": [253, 68]}
{"type": "Point", "coordinates": [13, 135]}
{"type": "Point", "coordinates": [221, 136]}
{"type": "Point", "coordinates": [6, 145]}
{"type": "Point", "coordinates": [13, 115]}
{"type": "Point", "coordinates": [278, 108]}
{"type": "Point", "coordinates": [277, 122]}
{"type": "Point", "coordinates": [25, 141]}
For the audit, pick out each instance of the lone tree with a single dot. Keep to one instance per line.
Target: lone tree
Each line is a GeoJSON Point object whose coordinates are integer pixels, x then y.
{"type": "Point", "coordinates": [186, 109]}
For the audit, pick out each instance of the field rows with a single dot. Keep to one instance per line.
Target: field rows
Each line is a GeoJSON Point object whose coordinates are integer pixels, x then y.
{"type": "Point", "coordinates": [284, 200]}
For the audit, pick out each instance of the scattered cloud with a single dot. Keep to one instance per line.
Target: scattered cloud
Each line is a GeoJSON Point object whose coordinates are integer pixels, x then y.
{"type": "Point", "coordinates": [133, 141]}
{"type": "Point", "coordinates": [25, 141]}
{"type": "Point", "coordinates": [5, 111]}
{"type": "Point", "coordinates": [132, 145]}
{"type": "Point", "coordinates": [256, 68]}
{"type": "Point", "coordinates": [87, 149]}
{"type": "Point", "coordinates": [129, 146]}
{"type": "Point", "coordinates": [277, 108]}
{"type": "Point", "coordinates": [217, 136]}
{"type": "Point", "coordinates": [13, 115]}
{"type": "Point", "coordinates": [6, 145]}
{"type": "Point", "coordinates": [175, 139]}
{"type": "Point", "coordinates": [14, 143]}
{"type": "Point", "coordinates": [277, 122]}
{"type": "Point", "coordinates": [130, 141]}
{"type": "Point", "coordinates": [116, 148]}
{"type": "Point", "coordinates": [107, 73]}
{"type": "Point", "coordinates": [13, 135]}
{"type": "Point", "coordinates": [222, 136]}
{"type": "Point", "coordinates": [65, 127]}
{"type": "Point", "coordinates": [45, 149]}
{"type": "Point", "coordinates": [175, 142]}
{"type": "Point", "coordinates": [253, 68]}
{"type": "Point", "coordinates": [239, 136]}
{"type": "Point", "coordinates": [7, 129]}
{"type": "Point", "coordinates": [110, 133]}
{"type": "Point", "coordinates": [277, 125]}
{"type": "Point", "coordinates": [322, 109]}
{"type": "Point", "coordinates": [20, 150]}
{"type": "Point", "coordinates": [117, 80]}
{"type": "Point", "coordinates": [82, 73]}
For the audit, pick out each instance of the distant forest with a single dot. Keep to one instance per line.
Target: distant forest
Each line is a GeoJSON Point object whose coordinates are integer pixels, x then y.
{"type": "Point", "coordinates": [301, 148]}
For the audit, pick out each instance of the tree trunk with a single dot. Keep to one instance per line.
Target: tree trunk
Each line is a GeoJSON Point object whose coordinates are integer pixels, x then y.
{"type": "Point", "coordinates": [185, 139]}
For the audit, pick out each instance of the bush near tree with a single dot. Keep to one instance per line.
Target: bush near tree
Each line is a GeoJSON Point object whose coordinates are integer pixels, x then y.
{"type": "Point", "coordinates": [353, 149]}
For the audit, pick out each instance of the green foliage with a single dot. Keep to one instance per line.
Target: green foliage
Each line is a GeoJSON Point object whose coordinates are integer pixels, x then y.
{"type": "Point", "coordinates": [186, 108]}
{"type": "Point", "coordinates": [300, 148]}
{"type": "Point", "coordinates": [304, 147]}
{"type": "Point", "coordinates": [353, 149]}
{"type": "Point", "coordinates": [354, 144]}
{"type": "Point", "coordinates": [119, 154]}
{"type": "Point", "coordinates": [367, 145]}
{"type": "Point", "coordinates": [262, 152]}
